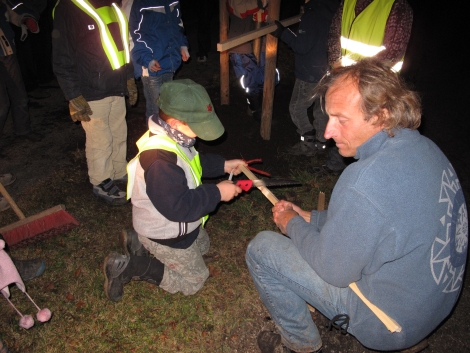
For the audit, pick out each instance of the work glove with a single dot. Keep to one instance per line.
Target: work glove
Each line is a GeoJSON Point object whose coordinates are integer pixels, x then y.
{"type": "Point", "coordinates": [279, 30]}
{"type": "Point", "coordinates": [79, 109]}
{"type": "Point", "coordinates": [132, 90]}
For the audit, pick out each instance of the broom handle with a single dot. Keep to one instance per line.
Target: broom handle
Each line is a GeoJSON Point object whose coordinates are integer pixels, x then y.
{"type": "Point", "coordinates": [12, 203]}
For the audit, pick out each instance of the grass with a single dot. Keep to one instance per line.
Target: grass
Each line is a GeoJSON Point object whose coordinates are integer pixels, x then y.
{"type": "Point", "coordinates": [225, 316]}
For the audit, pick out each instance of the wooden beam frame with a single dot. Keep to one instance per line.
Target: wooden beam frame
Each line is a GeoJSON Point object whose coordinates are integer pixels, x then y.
{"type": "Point", "coordinates": [271, 57]}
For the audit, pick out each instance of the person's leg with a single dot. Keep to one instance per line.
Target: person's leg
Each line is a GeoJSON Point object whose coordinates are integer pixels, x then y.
{"type": "Point", "coordinates": [99, 141]}
{"type": "Point", "coordinates": [335, 161]}
{"type": "Point", "coordinates": [301, 99]}
{"type": "Point", "coordinates": [4, 99]}
{"type": "Point", "coordinates": [12, 83]}
{"type": "Point", "coordinates": [118, 127]}
{"type": "Point", "coordinates": [203, 242]}
{"type": "Point", "coordinates": [286, 283]}
{"type": "Point", "coordinates": [185, 270]}
{"type": "Point", "coordinates": [152, 86]}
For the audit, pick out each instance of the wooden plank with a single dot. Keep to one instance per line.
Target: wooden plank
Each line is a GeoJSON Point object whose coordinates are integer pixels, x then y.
{"type": "Point", "coordinates": [226, 44]}
{"type": "Point", "coordinates": [321, 201]}
{"type": "Point", "coordinates": [266, 192]}
{"type": "Point", "coordinates": [224, 59]}
{"type": "Point", "coordinates": [269, 74]}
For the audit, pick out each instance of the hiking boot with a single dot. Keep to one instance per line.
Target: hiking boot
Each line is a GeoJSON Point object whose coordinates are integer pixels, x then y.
{"type": "Point", "coordinates": [320, 147]}
{"type": "Point", "coordinates": [323, 170]}
{"type": "Point", "coordinates": [114, 280]}
{"type": "Point", "coordinates": [110, 193]}
{"type": "Point", "coordinates": [7, 179]}
{"type": "Point", "coordinates": [201, 58]}
{"type": "Point", "coordinates": [270, 342]}
{"type": "Point", "coordinates": [39, 93]}
{"type": "Point", "coordinates": [4, 205]}
{"type": "Point", "coordinates": [130, 244]}
{"type": "Point", "coordinates": [29, 269]}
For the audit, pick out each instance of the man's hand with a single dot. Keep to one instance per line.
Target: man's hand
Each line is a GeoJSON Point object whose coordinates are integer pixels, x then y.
{"type": "Point", "coordinates": [79, 109]}
{"type": "Point", "coordinates": [279, 30]}
{"type": "Point", "coordinates": [228, 190]}
{"type": "Point", "coordinates": [184, 53]}
{"type": "Point", "coordinates": [132, 91]}
{"type": "Point", "coordinates": [283, 212]}
{"type": "Point", "coordinates": [232, 165]}
{"type": "Point", "coordinates": [154, 66]}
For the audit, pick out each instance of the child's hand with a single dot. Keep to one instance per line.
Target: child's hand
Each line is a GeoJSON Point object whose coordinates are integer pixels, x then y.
{"type": "Point", "coordinates": [228, 190]}
{"type": "Point", "coordinates": [233, 165]}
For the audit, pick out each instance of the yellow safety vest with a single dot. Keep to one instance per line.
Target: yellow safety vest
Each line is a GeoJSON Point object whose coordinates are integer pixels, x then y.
{"type": "Point", "coordinates": [103, 16]}
{"type": "Point", "coordinates": [162, 142]}
{"type": "Point", "coordinates": [362, 35]}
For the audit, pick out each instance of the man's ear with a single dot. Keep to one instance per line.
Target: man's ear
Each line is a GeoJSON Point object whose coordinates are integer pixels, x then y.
{"type": "Point", "coordinates": [380, 119]}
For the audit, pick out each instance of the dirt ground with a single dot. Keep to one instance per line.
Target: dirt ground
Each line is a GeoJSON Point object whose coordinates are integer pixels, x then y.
{"type": "Point", "coordinates": [431, 66]}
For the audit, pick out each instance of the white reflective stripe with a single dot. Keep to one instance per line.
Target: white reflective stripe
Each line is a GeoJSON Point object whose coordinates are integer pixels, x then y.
{"type": "Point", "coordinates": [100, 22]}
{"type": "Point", "coordinates": [241, 81]}
{"type": "Point", "coordinates": [397, 67]}
{"type": "Point", "coordinates": [124, 33]}
{"type": "Point", "coordinates": [278, 75]}
{"type": "Point", "coordinates": [360, 48]}
{"type": "Point", "coordinates": [173, 4]}
{"type": "Point", "coordinates": [140, 36]}
{"type": "Point", "coordinates": [17, 6]}
{"type": "Point", "coordinates": [154, 8]}
{"type": "Point", "coordinates": [345, 61]}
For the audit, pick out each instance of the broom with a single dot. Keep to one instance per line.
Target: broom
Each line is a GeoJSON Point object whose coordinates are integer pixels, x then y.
{"type": "Point", "coordinates": [27, 230]}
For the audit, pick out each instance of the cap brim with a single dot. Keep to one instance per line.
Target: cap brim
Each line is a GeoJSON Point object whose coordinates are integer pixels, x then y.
{"type": "Point", "coordinates": [208, 130]}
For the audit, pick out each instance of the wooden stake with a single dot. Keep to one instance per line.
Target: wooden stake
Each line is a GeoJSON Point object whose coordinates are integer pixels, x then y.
{"type": "Point", "coordinates": [224, 64]}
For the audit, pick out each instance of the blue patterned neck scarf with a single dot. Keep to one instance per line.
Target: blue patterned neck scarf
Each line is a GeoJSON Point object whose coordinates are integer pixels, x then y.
{"type": "Point", "coordinates": [180, 138]}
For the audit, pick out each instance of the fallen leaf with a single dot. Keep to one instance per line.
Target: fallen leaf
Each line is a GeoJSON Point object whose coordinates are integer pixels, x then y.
{"type": "Point", "coordinates": [78, 271]}
{"type": "Point", "coordinates": [80, 304]}
{"type": "Point", "coordinates": [69, 297]}
{"type": "Point", "coordinates": [49, 287]}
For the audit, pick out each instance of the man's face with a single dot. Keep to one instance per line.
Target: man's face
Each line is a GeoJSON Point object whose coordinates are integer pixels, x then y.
{"type": "Point", "coordinates": [346, 124]}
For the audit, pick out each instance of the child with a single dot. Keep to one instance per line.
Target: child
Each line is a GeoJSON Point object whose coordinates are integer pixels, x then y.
{"type": "Point", "coordinates": [170, 204]}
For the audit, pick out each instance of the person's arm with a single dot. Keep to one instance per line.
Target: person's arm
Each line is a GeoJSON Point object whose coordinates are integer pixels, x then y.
{"type": "Point", "coordinates": [141, 53]}
{"type": "Point", "coordinates": [334, 37]}
{"type": "Point", "coordinates": [397, 32]}
{"type": "Point", "coordinates": [346, 243]}
{"type": "Point", "coordinates": [64, 51]}
{"type": "Point", "coordinates": [168, 190]}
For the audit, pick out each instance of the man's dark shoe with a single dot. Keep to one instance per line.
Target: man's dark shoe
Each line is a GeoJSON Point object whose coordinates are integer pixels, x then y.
{"type": "Point", "coordinates": [130, 244]}
{"type": "Point", "coordinates": [323, 170]}
{"type": "Point", "coordinates": [110, 193]}
{"type": "Point", "coordinates": [114, 279]}
{"type": "Point", "coordinates": [270, 342]}
{"type": "Point", "coordinates": [29, 269]}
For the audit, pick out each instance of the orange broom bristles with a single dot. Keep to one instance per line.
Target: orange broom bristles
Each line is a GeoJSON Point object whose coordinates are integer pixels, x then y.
{"type": "Point", "coordinates": [40, 226]}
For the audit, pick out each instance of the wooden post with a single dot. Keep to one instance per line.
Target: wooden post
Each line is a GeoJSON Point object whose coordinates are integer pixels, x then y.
{"type": "Point", "coordinates": [269, 73]}
{"type": "Point", "coordinates": [257, 44]}
{"type": "Point", "coordinates": [224, 69]}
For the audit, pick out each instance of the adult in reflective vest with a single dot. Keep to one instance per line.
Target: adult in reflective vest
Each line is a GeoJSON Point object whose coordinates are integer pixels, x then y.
{"type": "Point", "coordinates": [365, 28]}
{"type": "Point", "coordinates": [91, 61]}
{"type": "Point", "coordinates": [170, 204]}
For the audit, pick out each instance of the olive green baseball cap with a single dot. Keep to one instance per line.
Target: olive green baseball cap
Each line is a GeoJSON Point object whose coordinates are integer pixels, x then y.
{"type": "Point", "coordinates": [188, 101]}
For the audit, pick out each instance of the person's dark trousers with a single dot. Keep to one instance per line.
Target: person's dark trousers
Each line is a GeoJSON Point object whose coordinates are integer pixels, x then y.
{"type": "Point", "coordinates": [335, 161]}
{"type": "Point", "coordinates": [207, 10]}
{"type": "Point", "coordinates": [12, 90]}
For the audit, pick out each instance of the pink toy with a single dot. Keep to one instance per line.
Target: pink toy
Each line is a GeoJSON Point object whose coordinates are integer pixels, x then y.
{"type": "Point", "coordinates": [9, 275]}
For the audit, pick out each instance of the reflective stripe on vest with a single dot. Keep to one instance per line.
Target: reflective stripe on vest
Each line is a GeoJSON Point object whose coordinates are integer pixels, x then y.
{"type": "Point", "coordinates": [104, 16]}
{"type": "Point", "coordinates": [161, 142]}
{"type": "Point", "coordinates": [362, 35]}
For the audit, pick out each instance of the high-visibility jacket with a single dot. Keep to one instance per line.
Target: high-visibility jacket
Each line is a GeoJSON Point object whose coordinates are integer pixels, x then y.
{"type": "Point", "coordinates": [362, 35]}
{"type": "Point", "coordinates": [118, 55]}
{"type": "Point", "coordinates": [191, 164]}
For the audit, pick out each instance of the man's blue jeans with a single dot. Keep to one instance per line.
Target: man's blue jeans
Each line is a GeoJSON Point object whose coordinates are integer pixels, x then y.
{"type": "Point", "coordinates": [286, 283]}
{"type": "Point", "coordinates": [152, 86]}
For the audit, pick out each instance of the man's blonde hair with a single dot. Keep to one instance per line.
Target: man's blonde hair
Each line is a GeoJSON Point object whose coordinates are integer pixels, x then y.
{"type": "Point", "coordinates": [383, 93]}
